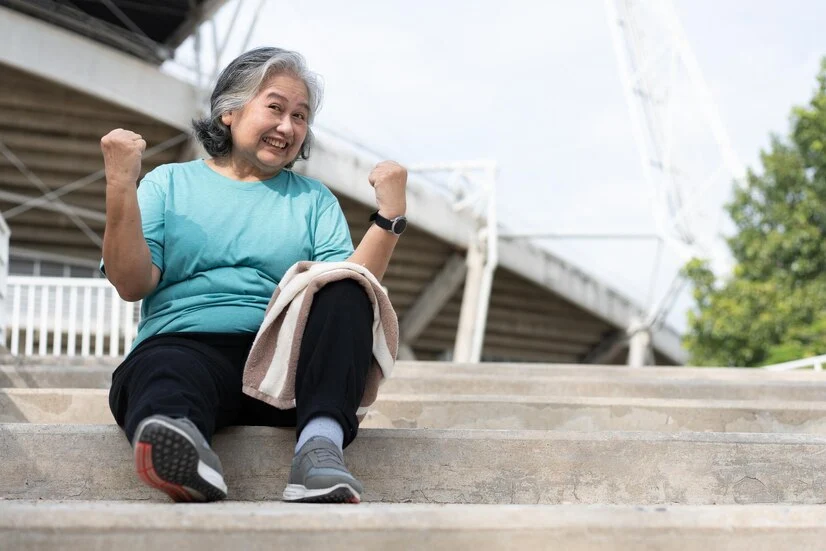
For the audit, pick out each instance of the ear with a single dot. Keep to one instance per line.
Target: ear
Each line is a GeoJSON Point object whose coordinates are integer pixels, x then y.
{"type": "Point", "coordinates": [226, 118]}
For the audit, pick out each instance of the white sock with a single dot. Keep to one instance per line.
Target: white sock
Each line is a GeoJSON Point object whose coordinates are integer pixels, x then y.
{"type": "Point", "coordinates": [321, 426]}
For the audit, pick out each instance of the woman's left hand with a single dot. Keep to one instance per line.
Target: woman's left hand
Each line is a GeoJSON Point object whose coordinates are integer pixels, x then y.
{"type": "Point", "coordinates": [389, 180]}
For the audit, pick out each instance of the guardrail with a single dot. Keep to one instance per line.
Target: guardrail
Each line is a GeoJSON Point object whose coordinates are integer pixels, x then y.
{"type": "Point", "coordinates": [5, 235]}
{"type": "Point", "coordinates": [67, 316]}
{"type": "Point", "coordinates": [815, 362]}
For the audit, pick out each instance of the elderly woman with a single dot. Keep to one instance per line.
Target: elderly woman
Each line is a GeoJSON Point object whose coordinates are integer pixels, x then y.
{"type": "Point", "coordinates": [204, 244]}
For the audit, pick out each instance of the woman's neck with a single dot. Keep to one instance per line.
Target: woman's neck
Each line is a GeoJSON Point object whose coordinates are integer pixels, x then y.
{"type": "Point", "coordinates": [239, 169]}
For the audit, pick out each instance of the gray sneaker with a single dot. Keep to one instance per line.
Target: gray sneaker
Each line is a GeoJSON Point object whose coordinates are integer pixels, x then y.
{"type": "Point", "coordinates": [173, 456]}
{"type": "Point", "coordinates": [318, 475]}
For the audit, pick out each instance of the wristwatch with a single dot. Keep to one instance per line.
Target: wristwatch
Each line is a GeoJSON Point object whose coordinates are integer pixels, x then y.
{"type": "Point", "coordinates": [395, 226]}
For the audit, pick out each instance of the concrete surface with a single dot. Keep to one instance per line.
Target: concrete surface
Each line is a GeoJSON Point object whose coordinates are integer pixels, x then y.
{"type": "Point", "coordinates": [463, 384]}
{"type": "Point", "coordinates": [438, 466]}
{"type": "Point", "coordinates": [55, 376]}
{"type": "Point", "coordinates": [91, 406]}
{"type": "Point", "coordinates": [265, 526]}
{"type": "Point", "coordinates": [427, 378]}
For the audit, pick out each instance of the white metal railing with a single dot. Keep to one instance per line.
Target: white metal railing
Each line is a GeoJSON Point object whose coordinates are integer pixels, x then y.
{"type": "Point", "coordinates": [67, 316]}
{"type": "Point", "coordinates": [5, 234]}
{"type": "Point", "coordinates": [815, 362]}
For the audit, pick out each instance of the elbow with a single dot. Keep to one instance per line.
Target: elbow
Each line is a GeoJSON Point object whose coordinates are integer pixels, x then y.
{"type": "Point", "coordinates": [129, 294]}
{"type": "Point", "coordinates": [128, 291]}
{"type": "Point", "coordinates": [131, 286]}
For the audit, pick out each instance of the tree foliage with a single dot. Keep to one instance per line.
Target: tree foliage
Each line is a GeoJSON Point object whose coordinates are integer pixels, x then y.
{"type": "Point", "coordinates": [772, 308]}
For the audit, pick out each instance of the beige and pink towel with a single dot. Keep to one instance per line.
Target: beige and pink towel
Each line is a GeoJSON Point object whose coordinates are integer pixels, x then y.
{"type": "Point", "coordinates": [269, 373]}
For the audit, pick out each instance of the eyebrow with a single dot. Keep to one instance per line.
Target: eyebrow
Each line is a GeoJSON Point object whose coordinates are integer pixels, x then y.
{"type": "Point", "coordinates": [282, 98]}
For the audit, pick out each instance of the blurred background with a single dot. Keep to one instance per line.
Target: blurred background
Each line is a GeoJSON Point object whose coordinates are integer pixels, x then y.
{"type": "Point", "coordinates": [568, 160]}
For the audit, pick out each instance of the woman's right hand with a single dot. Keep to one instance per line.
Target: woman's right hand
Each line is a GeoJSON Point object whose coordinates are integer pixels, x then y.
{"type": "Point", "coordinates": [122, 151]}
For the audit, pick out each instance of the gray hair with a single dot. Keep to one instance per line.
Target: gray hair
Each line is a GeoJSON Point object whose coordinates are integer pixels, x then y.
{"type": "Point", "coordinates": [238, 84]}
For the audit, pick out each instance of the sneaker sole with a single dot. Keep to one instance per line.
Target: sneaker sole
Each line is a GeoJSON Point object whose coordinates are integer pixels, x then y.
{"type": "Point", "coordinates": [167, 459]}
{"type": "Point", "coordinates": [340, 493]}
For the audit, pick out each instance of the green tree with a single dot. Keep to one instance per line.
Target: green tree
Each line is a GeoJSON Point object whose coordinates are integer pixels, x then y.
{"type": "Point", "coordinates": [772, 308]}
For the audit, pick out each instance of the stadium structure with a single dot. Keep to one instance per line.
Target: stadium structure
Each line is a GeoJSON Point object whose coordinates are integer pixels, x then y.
{"type": "Point", "coordinates": [72, 71]}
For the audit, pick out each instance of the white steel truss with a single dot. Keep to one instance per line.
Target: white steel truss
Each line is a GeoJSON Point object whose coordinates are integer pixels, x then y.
{"type": "Point", "coordinates": [684, 149]}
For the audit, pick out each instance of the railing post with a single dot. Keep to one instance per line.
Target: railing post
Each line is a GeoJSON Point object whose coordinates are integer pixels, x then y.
{"type": "Point", "coordinates": [114, 323]}
{"type": "Point", "coordinates": [57, 347]}
{"type": "Point", "coordinates": [5, 234]}
{"type": "Point", "coordinates": [15, 320]}
{"type": "Point", "coordinates": [43, 330]}
{"type": "Point", "coordinates": [71, 336]}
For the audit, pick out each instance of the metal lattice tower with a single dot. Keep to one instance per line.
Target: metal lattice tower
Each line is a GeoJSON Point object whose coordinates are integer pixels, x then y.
{"type": "Point", "coordinates": [687, 159]}
{"type": "Point", "coordinates": [685, 152]}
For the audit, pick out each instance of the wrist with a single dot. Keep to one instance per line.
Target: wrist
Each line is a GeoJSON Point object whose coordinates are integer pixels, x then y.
{"type": "Point", "coordinates": [120, 182]}
{"type": "Point", "coordinates": [391, 213]}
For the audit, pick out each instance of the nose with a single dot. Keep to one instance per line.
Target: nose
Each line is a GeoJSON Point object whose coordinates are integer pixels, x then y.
{"type": "Point", "coordinates": [285, 126]}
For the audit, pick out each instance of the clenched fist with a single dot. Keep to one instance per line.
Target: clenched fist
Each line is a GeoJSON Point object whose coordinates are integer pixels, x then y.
{"type": "Point", "coordinates": [389, 180]}
{"type": "Point", "coordinates": [122, 151]}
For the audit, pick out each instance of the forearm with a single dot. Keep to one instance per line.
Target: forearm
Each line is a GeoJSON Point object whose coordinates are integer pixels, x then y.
{"type": "Point", "coordinates": [375, 250]}
{"type": "Point", "coordinates": [389, 180]}
{"type": "Point", "coordinates": [126, 255]}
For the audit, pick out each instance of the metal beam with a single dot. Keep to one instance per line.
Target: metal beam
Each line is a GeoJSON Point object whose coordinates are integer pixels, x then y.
{"type": "Point", "coordinates": [432, 299]}
{"type": "Point", "coordinates": [71, 60]}
{"type": "Point", "coordinates": [197, 15]}
{"type": "Point", "coordinates": [585, 236]}
{"type": "Point", "coordinates": [406, 353]}
{"type": "Point", "coordinates": [639, 349]}
{"type": "Point", "coordinates": [33, 254]}
{"type": "Point", "coordinates": [38, 183]}
{"type": "Point", "coordinates": [80, 212]}
{"type": "Point", "coordinates": [607, 349]}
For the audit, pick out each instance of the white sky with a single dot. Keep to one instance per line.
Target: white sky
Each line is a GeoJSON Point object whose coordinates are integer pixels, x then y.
{"type": "Point", "coordinates": [535, 86]}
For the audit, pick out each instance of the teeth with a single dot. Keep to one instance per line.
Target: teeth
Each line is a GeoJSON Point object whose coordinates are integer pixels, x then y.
{"type": "Point", "coordinates": [276, 143]}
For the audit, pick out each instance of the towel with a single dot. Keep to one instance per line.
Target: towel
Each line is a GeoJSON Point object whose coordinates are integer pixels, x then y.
{"type": "Point", "coordinates": [269, 373]}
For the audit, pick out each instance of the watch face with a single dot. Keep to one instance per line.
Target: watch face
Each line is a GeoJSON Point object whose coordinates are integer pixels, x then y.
{"type": "Point", "coordinates": [399, 225]}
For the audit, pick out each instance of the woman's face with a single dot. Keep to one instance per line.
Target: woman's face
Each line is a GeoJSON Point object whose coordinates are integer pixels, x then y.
{"type": "Point", "coordinates": [267, 133]}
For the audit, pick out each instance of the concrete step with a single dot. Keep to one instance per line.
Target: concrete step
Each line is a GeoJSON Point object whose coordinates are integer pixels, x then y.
{"type": "Point", "coordinates": [426, 369]}
{"type": "Point", "coordinates": [55, 376]}
{"type": "Point", "coordinates": [694, 389]}
{"type": "Point", "coordinates": [81, 525]}
{"type": "Point", "coordinates": [73, 372]}
{"type": "Point", "coordinates": [91, 406]}
{"type": "Point", "coordinates": [424, 379]}
{"type": "Point", "coordinates": [441, 466]}
{"type": "Point", "coordinates": [109, 363]}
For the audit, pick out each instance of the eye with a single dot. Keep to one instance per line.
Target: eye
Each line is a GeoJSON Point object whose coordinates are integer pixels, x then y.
{"type": "Point", "coordinates": [300, 116]}
{"type": "Point", "coordinates": [275, 107]}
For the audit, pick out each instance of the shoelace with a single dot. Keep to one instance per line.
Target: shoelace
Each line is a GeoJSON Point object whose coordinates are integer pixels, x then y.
{"type": "Point", "coordinates": [325, 455]}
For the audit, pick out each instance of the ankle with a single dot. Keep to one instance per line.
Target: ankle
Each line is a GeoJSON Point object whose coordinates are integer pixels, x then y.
{"type": "Point", "coordinates": [325, 427]}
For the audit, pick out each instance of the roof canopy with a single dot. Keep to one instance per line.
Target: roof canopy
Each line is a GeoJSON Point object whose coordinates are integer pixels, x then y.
{"type": "Point", "coordinates": [148, 29]}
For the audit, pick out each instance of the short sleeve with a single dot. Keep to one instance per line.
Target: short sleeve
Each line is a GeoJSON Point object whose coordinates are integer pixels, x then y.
{"type": "Point", "coordinates": [152, 204]}
{"type": "Point", "coordinates": [332, 235]}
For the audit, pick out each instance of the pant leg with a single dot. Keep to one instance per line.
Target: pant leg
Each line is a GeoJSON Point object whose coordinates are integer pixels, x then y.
{"type": "Point", "coordinates": [335, 356]}
{"type": "Point", "coordinates": [178, 377]}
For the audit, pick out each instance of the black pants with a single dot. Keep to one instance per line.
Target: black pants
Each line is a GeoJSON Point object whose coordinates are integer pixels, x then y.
{"type": "Point", "coordinates": [198, 375]}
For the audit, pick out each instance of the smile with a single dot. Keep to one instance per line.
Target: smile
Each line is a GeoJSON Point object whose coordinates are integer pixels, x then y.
{"type": "Point", "coordinates": [276, 143]}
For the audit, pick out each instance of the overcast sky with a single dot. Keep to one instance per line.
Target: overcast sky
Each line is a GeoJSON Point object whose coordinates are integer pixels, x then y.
{"type": "Point", "coordinates": [535, 86]}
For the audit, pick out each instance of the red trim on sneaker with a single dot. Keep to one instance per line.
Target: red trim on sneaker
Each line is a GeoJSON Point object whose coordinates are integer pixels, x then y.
{"type": "Point", "coordinates": [146, 472]}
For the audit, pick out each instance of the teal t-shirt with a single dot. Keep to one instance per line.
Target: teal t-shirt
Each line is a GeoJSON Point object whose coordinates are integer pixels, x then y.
{"type": "Point", "coordinates": [222, 245]}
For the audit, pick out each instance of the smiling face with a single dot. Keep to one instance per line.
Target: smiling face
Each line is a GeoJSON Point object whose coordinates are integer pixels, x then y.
{"type": "Point", "coordinates": [268, 132]}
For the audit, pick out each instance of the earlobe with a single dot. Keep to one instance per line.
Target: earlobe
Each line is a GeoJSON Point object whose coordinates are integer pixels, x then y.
{"type": "Point", "coordinates": [226, 118]}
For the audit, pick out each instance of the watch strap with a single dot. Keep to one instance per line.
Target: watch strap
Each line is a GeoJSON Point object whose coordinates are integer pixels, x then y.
{"type": "Point", "coordinates": [396, 226]}
{"type": "Point", "coordinates": [381, 221]}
